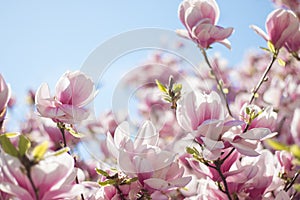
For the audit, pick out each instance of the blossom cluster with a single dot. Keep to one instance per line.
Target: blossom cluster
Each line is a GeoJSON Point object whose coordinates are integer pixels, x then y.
{"type": "Point", "coordinates": [227, 133]}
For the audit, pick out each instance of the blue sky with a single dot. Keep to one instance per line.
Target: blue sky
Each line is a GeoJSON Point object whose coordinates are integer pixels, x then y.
{"type": "Point", "coordinates": [40, 40]}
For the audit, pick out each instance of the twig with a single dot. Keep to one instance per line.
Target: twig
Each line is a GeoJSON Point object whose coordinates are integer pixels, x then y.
{"type": "Point", "coordinates": [216, 79]}
{"type": "Point", "coordinates": [218, 168]}
{"type": "Point", "coordinates": [263, 78]}
{"type": "Point", "coordinates": [288, 186]}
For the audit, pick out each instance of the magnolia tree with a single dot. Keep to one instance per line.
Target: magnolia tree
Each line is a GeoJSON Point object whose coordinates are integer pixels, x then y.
{"type": "Point", "coordinates": [227, 133]}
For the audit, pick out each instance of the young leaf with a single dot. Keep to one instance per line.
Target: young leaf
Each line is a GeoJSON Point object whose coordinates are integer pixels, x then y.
{"type": "Point", "coordinates": [281, 62]}
{"type": "Point", "coordinates": [40, 150]}
{"type": "Point", "coordinates": [297, 187]}
{"type": "Point", "coordinates": [61, 151]}
{"type": "Point", "coordinates": [102, 172]}
{"type": "Point", "coordinates": [161, 87]}
{"type": "Point", "coordinates": [11, 134]}
{"type": "Point", "coordinates": [271, 47]}
{"type": "Point", "coordinates": [189, 150]}
{"type": "Point", "coordinates": [107, 182]}
{"type": "Point", "coordinates": [129, 181]}
{"type": "Point", "coordinates": [295, 150]}
{"type": "Point", "coordinates": [248, 111]}
{"type": "Point", "coordinates": [177, 88]}
{"type": "Point", "coordinates": [8, 147]}
{"type": "Point", "coordinates": [277, 145]}
{"type": "Point", "coordinates": [74, 133]}
{"type": "Point", "coordinates": [24, 145]}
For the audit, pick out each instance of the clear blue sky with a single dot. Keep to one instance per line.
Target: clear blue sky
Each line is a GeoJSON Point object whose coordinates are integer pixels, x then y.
{"type": "Point", "coordinates": [40, 40]}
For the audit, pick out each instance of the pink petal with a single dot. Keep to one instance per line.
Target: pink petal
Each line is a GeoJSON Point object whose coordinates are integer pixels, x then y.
{"type": "Point", "coordinates": [147, 135]}
{"type": "Point", "coordinates": [15, 191]}
{"type": "Point", "coordinates": [65, 192]}
{"type": "Point", "coordinates": [256, 134]}
{"type": "Point", "coordinates": [260, 32]}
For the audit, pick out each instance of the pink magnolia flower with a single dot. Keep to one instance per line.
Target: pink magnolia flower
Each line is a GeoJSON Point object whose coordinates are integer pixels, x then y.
{"type": "Point", "coordinates": [49, 128]}
{"type": "Point", "coordinates": [293, 42]}
{"type": "Point", "coordinates": [281, 25]}
{"type": "Point", "coordinates": [207, 189]}
{"type": "Point", "coordinates": [286, 165]}
{"type": "Point", "coordinates": [142, 158]}
{"type": "Point", "coordinates": [74, 91]}
{"type": "Point", "coordinates": [247, 143]}
{"type": "Point", "coordinates": [4, 97]}
{"type": "Point", "coordinates": [195, 108]}
{"type": "Point", "coordinates": [53, 177]}
{"type": "Point", "coordinates": [266, 118]}
{"type": "Point", "coordinates": [200, 18]}
{"type": "Point", "coordinates": [294, 5]}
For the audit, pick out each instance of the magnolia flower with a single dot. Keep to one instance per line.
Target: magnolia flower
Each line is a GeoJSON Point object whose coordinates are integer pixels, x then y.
{"type": "Point", "coordinates": [4, 97]}
{"type": "Point", "coordinates": [53, 177]}
{"type": "Point", "coordinates": [195, 108]}
{"type": "Point", "coordinates": [247, 143]}
{"type": "Point", "coordinates": [155, 168]}
{"type": "Point", "coordinates": [74, 91]}
{"type": "Point", "coordinates": [293, 42]}
{"type": "Point", "coordinates": [261, 175]}
{"type": "Point", "coordinates": [265, 118]}
{"type": "Point", "coordinates": [200, 18]}
{"type": "Point", "coordinates": [281, 25]}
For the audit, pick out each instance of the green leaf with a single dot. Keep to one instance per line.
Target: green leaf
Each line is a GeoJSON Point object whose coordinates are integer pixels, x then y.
{"type": "Point", "coordinates": [271, 47]}
{"type": "Point", "coordinates": [161, 87]}
{"type": "Point", "coordinates": [295, 150]}
{"type": "Point", "coordinates": [129, 181]}
{"type": "Point", "coordinates": [107, 182]}
{"type": "Point", "coordinates": [265, 49]}
{"type": "Point", "coordinates": [190, 150]}
{"type": "Point", "coordinates": [177, 88]}
{"type": "Point", "coordinates": [248, 111]}
{"type": "Point", "coordinates": [74, 133]}
{"type": "Point", "coordinates": [40, 150]}
{"type": "Point", "coordinates": [11, 134]}
{"type": "Point", "coordinates": [24, 145]}
{"type": "Point", "coordinates": [102, 172]}
{"type": "Point", "coordinates": [277, 145]}
{"type": "Point", "coordinates": [281, 62]}
{"type": "Point", "coordinates": [297, 187]}
{"type": "Point", "coordinates": [7, 146]}
{"type": "Point", "coordinates": [167, 99]}
{"type": "Point", "coordinates": [61, 151]}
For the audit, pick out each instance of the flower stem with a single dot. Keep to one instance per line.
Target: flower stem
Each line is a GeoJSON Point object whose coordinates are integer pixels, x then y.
{"type": "Point", "coordinates": [61, 127]}
{"type": "Point", "coordinates": [216, 79]}
{"type": "Point", "coordinates": [218, 168]}
{"type": "Point", "coordinates": [288, 186]}
{"type": "Point", "coordinates": [263, 78]}
{"type": "Point", "coordinates": [62, 130]}
{"type": "Point", "coordinates": [121, 195]}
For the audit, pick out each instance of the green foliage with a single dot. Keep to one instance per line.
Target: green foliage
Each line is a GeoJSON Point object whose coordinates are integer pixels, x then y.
{"type": "Point", "coordinates": [7, 146]}
{"type": "Point", "coordinates": [61, 151]}
{"type": "Point", "coordinates": [161, 87]}
{"type": "Point", "coordinates": [102, 172]}
{"type": "Point", "coordinates": [297, 187]}
{"type": "Point", "coordinates": [171, 93]}
{"type": "Point", "coordinates": [271, 47]}
{"type": "Point", "coordinates": [73, 132]}
{"type": "Point", "coordinates": [277, 145]}
{"type": "Point", "coordinates": [295, 150]}
{"type": "Point", "coordinates": [39, 151]}
{"type": "Point", "coordinates": [107, 182]}
{"type": "Point", "coordinates": [24, 145]}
